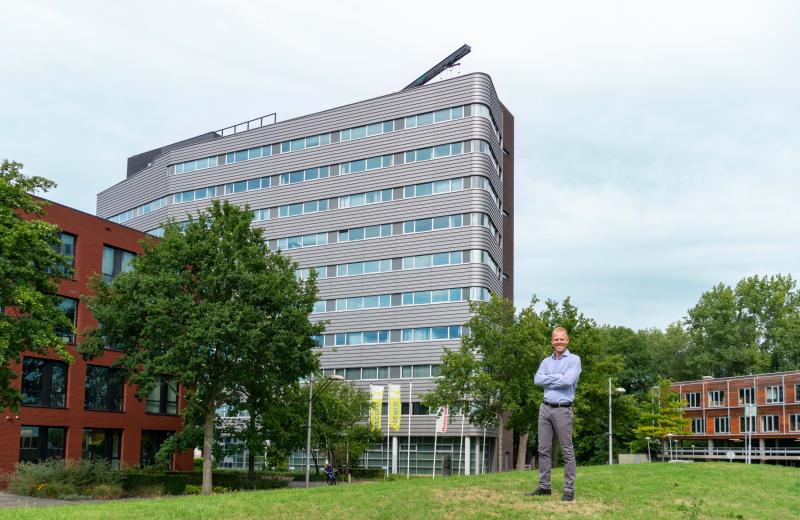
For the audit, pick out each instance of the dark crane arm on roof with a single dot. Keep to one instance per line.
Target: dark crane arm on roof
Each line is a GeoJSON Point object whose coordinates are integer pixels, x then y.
{"type": "Point", "coordinates": [440, 67]}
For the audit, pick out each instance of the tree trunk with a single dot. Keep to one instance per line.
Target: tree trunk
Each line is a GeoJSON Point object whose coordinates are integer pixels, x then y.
{"type": "Point", "coordinates": [208, 441]}
{"type": "Point", "coordinates": [500, 445]}
{"type": "Point", "coordinates": [316, 462]}
{"type": "Point", "coordinates": [523, 451]}
{"type": "Point", "coordinates": [251, 449]}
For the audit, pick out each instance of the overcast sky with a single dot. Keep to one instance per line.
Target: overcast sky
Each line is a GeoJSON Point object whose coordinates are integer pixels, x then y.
{"type": "Point", "coordinates": [657, 143]}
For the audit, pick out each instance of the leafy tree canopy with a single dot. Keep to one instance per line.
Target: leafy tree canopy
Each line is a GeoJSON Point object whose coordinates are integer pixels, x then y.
{"type": "Point", "coordinates": [30, 267]}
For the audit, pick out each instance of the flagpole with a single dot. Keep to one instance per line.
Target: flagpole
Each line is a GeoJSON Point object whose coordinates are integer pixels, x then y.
{"type": "Point", "coordinates": [435, 438]}
{"type": "Point", "coordinates": [388, 438]}
{"type": "Point", "coordinates": [461, 443]}
{"type": "Point", "coordinates": [408, 442]}
{"type": "Point", "coordinates": [483, 453]}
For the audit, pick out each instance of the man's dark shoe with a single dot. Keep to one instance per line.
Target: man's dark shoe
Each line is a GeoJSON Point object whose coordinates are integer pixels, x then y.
{"type": "Point", "coordinates": [539, 492]}
{"type": "Point", "coordinates": [568, 497]}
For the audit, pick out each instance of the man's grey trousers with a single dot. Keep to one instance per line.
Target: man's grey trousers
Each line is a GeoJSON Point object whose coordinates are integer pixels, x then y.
{"type": "Point", "coordinates": [558, 421]}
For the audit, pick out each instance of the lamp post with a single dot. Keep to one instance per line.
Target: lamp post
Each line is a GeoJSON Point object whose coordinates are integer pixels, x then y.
{"type": "Point", "coordinates": [618, 390]}
{"type": "Point", "coordinates": [325, 384]}
{"type": "Point", "coordinates": [671, 454]}
{"type": "Point", "coordinates": [648, 449]}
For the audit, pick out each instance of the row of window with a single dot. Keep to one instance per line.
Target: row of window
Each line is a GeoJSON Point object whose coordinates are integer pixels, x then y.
{"type": "Point", "coordinates": [38, 443]}
{"type": "Point", "coordinates": [374, 337]}
{"type": "Point", "coordinates": [422, 225]}
{"type": "Point", "coordinates": [379, 301]}
{"type": "Point", "coordinates": [44, 383]}
{"type": "Point", "coordinates": [138, 211]}
{"type": "Point", "coordinates": [769, 424]}
{"type": "Point", "coordinates": [391, 372]}
{"type": "Point", "coordinates": [773, 394]}
{"type": "Point", "coordinates": [356, 166]}
{"type": "Point", "coordinates": [348, 134]}
{"type": "Point", "coordinates": [475, 256]}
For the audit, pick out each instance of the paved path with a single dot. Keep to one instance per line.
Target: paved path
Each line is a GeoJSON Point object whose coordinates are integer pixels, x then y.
{"type": "Point", "coordinates": [8, 500]}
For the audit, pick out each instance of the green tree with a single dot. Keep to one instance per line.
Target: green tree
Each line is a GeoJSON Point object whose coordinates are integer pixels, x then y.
{"type": "Point", "coordinates": [491, 373]}
{"type": "Point", "coordinates": [338, 423]}
{"type": "Point", "coordinates": [200, 306]}
{"type": "Point", "coordinates": [30, 266]}
{"type": "Point", "coordinates": [752, 328]}
{"type": "Point", "coordinates": [661, 414]}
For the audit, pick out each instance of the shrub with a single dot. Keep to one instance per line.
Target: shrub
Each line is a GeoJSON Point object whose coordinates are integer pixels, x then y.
{"type": "Point", "coordinates": [169, 483]}
{"type": "Point", "coordinates": [57, 478]}
{"type": "Point", "coordinates": [192, 489]}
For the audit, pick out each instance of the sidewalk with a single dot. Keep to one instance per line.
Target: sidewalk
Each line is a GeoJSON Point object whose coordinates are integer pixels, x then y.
{"type": "Point", "coordinates": [7, 500]}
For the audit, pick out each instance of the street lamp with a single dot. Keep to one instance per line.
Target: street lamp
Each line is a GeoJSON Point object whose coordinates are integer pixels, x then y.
{"type": "Point", "coordinates": [671, 453]}
{"type": "Point", "coordinates": [618, 390]}
{"type": "Point", "coordinates": [326, 382]}
{"type": "Point", "coordinates": [648, 449]}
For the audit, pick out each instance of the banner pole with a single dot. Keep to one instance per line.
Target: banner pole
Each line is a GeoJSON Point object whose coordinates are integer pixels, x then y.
{"type": "Point", "coordinates": [435, 438]}
{"type": "Point", "coordinates": [461, 444]}
{"type": "Point", "coordinates": [408, 441]}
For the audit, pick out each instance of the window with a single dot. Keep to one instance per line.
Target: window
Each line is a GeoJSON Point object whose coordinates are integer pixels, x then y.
{"type": "Point", "coordinates": [151, 443]}
{"type": "Point", "coordinates": [115, 261]}
{"type": "Point", "coordinates": [774, 394]}
{"type": "Point", "coordinates": [797, 393]}
{"type": "Point", "coordinates": [699, 426]}
{"type": "Point", "coordinates": [66, 248]}
{"type": "Point", "coordinates": [38, 443]}
{"type": "Point", "coordinates": [794, 422]}
{"type": "Point", "coordinates": [716, 398]}
{"type": "Point", "coordinates": [104, 389]}
{"type": "Point", "coordinates": [102, 444]}
{"type": "Point", "coordinates": [747, 424]}
{"type": "Point", "coordinates": [693, 400]}
{"type": "Point", "coordinates": [44, 383]}
{"type": "Point", "coordinates": [722, 425]}
{"type": "Point", "coordinates": [747, 396]}
{"type": "Point", "coordinates": [163, 398]}
{"type": "Point", "coordinates": [69, 306]}
{"type": "Point", "coordinates": [770, 423]}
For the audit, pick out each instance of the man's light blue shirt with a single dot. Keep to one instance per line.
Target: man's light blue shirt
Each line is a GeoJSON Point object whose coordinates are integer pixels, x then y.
{"type": "Point", "coordinates": [559, 377]}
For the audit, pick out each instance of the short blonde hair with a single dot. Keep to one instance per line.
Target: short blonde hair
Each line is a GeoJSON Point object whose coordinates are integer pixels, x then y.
{"type": "Point", "coordinates": [563, 329]}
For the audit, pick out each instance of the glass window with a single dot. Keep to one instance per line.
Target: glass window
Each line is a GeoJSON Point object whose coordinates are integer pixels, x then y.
{"type": "Point", "coordinates": [423, 154]}
{"type": "Point", "coordinates": [104, 389]}
{"type": "Point", "coordinates": [721, 425]}
{"type": "Point", "coordinates": [425, 119]}
{"type": "Point", "coordinates": [441, 259]}
{"type": "Point", "coordinates": [102, 444]}
{"type": "Point", "coordinates": [69, 306]}
{"type": "Point", "coordinates": [774, 394]}
{"type": "Point", "coordinates": [422, 371]}
{"type": "Point", "coordinates": [411, 122]}
{"type": "Point", "coordinates": [424, 189]}
{"type": "Point", "coordinates": [115, 261]}
{"type": "Point", "coordinates": [369, 373]}
{"type": "Point", "coordinates": [240, 156]}
{"type": "Point", "coordinates": [163, 398]}
{"type": "Point", "coordinates": [388, 126]}
{"type": "Point", "coordinates": [441, 150]}
{"type": "Point", "coordinates": [442, 115]}
{"type": "Point", "coordinates": [374, 129]}
{"type": "Point", "coordinates": [38, 443]}
{"type": "Point", "coordinates": [746, 396]}
{"type": "Point", "coordinates": [456, 148]}
{"type": "Point", "coordinates": [770, 423]}
{"type": "Point", "coordinates": [423, 224]}
{"type": "Point", "coordinates": [383, 373]}
{"type": "Point", "coordinates": [66, 248]}
{"type": "Point", "coordinates": [439, 332]}
{"type": "Point", "coordinates": [747, 424]}
{"type": "Point", "coordinates": [716, 398]}
{"type": "Point", "coordinates": [373, 163]}
{"type": "Point", "coordinates": [406, 371]}
{"type": "Point", "coordinates": [312, 141]}
{"type": "Point", "coordinates": [441, 222]}
{"type": "Point", "coordinates": [44, 382]}
{"type": "Point", "coordinates": [352, 374]}
{"type": "Point", "coordinates": [298, 144]}
{"type": "Point", "coordinates": [410, 156]}
{"type": "Point", "coordinates": [358, 132]}
{"type": "Point", "coordinates": [254, 153]}
{"type": "Point", "coordinates": [458, 112]}
{"type": "Point", "coordinates": [440, 296]}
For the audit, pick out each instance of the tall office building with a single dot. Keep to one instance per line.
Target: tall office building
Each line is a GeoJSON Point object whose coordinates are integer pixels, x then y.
{"type": "Point", "coordinates": [404, 206]}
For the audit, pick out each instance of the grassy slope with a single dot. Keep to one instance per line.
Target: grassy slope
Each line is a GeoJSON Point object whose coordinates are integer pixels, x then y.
{"type": "Point", "coordinates": [638, 491]}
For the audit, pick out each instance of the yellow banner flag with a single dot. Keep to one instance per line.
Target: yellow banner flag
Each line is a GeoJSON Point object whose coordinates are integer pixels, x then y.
{"type": "Point", "coordinates": [375, 406]}
{"type": "Point", "coordinates": [395, 407]}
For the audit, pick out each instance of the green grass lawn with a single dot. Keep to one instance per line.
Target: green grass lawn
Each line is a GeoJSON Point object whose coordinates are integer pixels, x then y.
{"type": "Point", "coordinates": [649, 491]}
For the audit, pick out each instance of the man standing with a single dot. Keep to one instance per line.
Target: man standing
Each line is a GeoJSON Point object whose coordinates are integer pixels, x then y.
{"type": "Point", "coordinates": [558, 374]}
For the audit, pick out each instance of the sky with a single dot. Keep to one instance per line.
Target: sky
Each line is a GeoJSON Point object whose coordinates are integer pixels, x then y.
{"type": "Point", "coordinates": [657, 143]}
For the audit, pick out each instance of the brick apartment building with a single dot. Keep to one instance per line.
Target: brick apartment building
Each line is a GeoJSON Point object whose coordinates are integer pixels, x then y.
{"type": "Point", "coordinates": [80, 410]}
{"type": "Point", "coordinates": [716, 407]}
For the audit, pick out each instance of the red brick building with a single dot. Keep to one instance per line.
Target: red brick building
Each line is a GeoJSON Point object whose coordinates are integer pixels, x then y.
{"type": "Point", "coordinates": [82, 409]}
{"type": "Point", "coordinates": [717, 409]}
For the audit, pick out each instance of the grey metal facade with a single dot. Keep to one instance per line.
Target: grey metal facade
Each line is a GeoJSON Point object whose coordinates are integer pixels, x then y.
{"type": "Point", "coordinates": [159, 180]}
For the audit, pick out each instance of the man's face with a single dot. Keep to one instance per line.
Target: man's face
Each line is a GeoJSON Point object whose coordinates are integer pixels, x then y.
{"type": "Point", "coordinates": [560, 341]}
